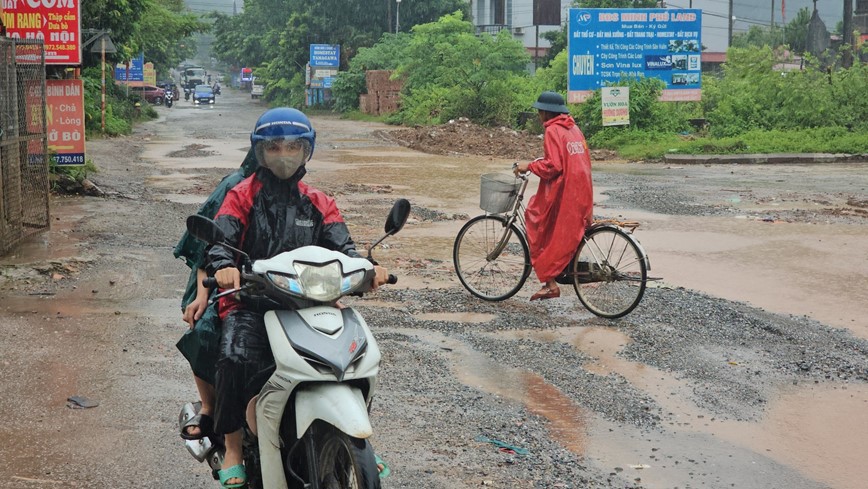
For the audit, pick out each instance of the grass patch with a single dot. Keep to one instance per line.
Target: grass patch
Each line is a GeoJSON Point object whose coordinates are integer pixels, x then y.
{"type": "Point", "coordinates": [642, 145]}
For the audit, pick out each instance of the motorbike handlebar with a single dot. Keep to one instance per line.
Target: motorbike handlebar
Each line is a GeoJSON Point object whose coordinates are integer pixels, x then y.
{"type": "Point", "coordinates": [209, 282]}
{"type": "Point", "coordinates": [392, 279]}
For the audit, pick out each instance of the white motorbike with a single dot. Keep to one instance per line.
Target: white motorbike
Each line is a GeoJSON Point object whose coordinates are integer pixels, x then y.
{"type": "Point", "coordinates": [312, 424]}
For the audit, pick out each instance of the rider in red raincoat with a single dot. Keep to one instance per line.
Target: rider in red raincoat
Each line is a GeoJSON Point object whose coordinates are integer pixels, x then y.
{"type": "Point", "coordinates": [557, 215]}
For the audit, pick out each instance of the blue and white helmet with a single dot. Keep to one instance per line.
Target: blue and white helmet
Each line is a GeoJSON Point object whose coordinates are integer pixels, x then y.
{"type": "Point", "coordinates": [283, 123]}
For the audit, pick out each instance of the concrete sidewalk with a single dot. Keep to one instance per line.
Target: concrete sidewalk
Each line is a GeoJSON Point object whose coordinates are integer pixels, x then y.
{"type": "Point", "coordinates": [771, 158]}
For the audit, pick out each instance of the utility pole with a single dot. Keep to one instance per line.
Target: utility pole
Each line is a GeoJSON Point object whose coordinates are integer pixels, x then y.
{"type": "Point", "coordinates": [773, 14]}
{"type": "Point", "coordinates": [847, 58]}
{"type": "Point", "coordinates": [731, 18]}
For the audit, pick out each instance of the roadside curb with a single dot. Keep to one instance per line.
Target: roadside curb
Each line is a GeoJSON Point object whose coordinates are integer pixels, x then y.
{"type": "Point", "coordinates": [771, 158]}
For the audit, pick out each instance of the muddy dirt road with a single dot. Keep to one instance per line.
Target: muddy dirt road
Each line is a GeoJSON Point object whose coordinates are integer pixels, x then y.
{"type": "Point", "coordinates": [746, 367]}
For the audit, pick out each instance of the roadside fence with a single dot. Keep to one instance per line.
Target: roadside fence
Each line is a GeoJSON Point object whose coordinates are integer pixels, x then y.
{"type": "Point", "coordinates": [24, 185]}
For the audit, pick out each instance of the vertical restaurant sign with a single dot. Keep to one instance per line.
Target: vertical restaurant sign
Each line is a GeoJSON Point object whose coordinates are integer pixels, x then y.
{"type": "Point", "coordinates": [616, 106]}
{"type": "Point", "coordinates": [608, 44]}
{"type": "Point", "coordinates": [56, 22]}
{"type": "Point", "coordinates": [64, 112]}
{"type": "Point", "coordinates": [149, 74]}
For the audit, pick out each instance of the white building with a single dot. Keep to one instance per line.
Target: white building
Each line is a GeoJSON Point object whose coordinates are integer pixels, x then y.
{"type": "Point", "coordinates": [492, 16]}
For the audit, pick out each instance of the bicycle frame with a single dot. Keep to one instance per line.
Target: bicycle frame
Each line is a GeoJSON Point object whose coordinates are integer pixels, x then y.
{"type": "Point", "coordinates": [612, 275]}
{"type": "Point", "coordinates": [516, 215]}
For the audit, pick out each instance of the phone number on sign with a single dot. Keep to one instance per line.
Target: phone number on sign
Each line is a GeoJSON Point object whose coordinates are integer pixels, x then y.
{"type": "Point", "coordinates": [69, 159]}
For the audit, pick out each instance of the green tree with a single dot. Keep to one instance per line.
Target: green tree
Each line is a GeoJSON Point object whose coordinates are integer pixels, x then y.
{"type": "Point", "coordinates": [796, 31]}
{"type": "Point", "coordinates": [448, 55]}
{"type": "Point", "coordinates": [163, 27]}
{"type": "Point", "coordinates": [156, 27]}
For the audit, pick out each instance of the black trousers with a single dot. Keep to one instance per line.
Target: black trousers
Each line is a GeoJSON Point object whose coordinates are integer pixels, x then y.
{"type": "Point", "coordinates": [244, 365]}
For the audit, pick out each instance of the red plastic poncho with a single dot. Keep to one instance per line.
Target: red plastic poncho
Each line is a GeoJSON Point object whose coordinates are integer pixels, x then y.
{"type": "Point", "coordinates": [563, 205]}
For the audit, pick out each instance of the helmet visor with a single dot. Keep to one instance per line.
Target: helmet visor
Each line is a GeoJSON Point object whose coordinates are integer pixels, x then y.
{"type": "Point", "coordinates": [283, 156]}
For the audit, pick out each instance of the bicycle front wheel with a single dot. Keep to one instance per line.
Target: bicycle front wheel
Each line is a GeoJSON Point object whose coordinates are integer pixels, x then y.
{"type": "Point", "coordinates": [491, 260]}
{"type": "Point", "coordinates": [609, 272]}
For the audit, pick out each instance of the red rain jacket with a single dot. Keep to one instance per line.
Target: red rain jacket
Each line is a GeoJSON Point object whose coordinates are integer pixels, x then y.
{"type": "Point", "coordinates": [563, 205]}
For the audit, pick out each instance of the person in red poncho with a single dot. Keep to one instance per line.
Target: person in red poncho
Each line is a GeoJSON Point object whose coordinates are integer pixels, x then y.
{"type": "Point", "coordinates": [556, 217]}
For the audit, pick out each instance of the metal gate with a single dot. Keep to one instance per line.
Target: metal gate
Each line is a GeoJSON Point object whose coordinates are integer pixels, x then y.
{"type": "Point", "coordinates": [24, 187]}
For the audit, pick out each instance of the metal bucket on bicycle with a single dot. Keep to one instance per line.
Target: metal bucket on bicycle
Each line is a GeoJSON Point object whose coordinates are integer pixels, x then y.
{"type": "Point", "coordinates": [608, 271]}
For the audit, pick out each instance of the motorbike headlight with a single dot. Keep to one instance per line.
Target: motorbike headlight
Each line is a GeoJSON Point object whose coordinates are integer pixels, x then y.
{"type": "Point", "coordinates": [320, 283]}
{"type": "Point", "coordinates": [285, 282]}
{"type": "Point", "coordinates": [352, 281]}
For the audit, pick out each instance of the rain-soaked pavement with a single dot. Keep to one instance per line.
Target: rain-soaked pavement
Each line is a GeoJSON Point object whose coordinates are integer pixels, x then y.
{"type": "Point", "coordinates": [90, 308]}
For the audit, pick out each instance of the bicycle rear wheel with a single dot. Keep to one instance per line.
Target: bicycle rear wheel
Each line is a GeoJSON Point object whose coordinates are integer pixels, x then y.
{"type": "Point", "coordinates": [485, 273]}
{"type": "Point", "coordinates": [609, 272]}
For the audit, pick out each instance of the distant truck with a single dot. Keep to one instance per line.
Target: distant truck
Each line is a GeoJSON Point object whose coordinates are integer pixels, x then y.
{"type": "Point", "coordinates": [194, 75]}
{"type": "Point", "coordinates": [256, 89]}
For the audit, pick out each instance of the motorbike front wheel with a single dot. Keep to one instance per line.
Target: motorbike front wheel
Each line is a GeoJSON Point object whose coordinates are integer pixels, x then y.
{"type": "Point", "coordinates": [340, 461]}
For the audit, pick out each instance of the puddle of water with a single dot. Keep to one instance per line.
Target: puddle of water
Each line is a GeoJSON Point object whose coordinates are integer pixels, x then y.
{"type": "Point", "coordinates": [820, 432]}
{"type": "Point", "coordinates": [183, 198]}
{"type": "Point", "coordinates": [227, 153]}
{"type": "Point", "coordinates": [567, 420]}
{"type": "Point", "coordinates": [457, 317]}
{"type": "Point", "coordinates": [170, 181]}
{"type": "Point", "coordinates": [58, 242]}
{"type": "Point", "coordinates": [775, 267]}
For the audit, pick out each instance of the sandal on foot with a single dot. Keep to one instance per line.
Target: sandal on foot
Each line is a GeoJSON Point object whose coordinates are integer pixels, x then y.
{"type": "Point", "coordinates": [234, 472]}
{"type": "Point", "coordinates": [546, 293]}
{"type": "Point", "coordinates": [204, 422]}
{"type": "Point", "coordinates": [382, 467]}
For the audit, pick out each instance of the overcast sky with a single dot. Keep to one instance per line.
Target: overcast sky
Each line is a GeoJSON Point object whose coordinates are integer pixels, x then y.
{"type": "Point", "coordinates": [756, 12]}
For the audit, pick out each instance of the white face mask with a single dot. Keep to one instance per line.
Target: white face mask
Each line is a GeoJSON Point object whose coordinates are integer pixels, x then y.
{"type": "Point", "coordinates": [284, 167]}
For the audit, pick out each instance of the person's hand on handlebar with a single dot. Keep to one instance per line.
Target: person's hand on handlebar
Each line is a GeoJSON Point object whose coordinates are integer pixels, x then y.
{"type": "Point", "coordinates": [228, 278]}
{"type": "Point", "coordinates": [381, 278]}
{"type": "Point", "coordinates": [519, 168]}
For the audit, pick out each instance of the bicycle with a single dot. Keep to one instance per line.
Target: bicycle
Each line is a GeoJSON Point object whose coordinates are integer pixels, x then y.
{"type": "Point", "coordinates": [608, 271]}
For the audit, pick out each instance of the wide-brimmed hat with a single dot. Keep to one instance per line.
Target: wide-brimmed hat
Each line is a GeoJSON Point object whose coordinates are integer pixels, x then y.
{"type": "Point", "coordinates": [551, 102]}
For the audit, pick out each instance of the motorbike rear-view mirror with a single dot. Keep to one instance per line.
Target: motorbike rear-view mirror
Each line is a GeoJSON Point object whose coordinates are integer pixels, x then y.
{"type": "Point", "coordinates": [398, 216]}
{"type": "Point", "coordinates": [205, 229]}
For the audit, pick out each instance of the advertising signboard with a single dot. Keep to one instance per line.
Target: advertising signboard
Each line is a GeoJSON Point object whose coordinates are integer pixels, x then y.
{"type": "Point", "coordinates": [64, 112]}
{"type": "Point", "coordinates": [616, 106]}
{"type": "Point", "coordinates": [325, 55]}
{"type": "Point", "coordinates": [56, 22]}
{"type": "Point", "coordinates": [149, 74]}
{"type": "Point", "coordinates": [134, 71]}
{"type": "Point", "coordinates": [608, 44]}
{"type": "Point", "coordinates": [246, 74]}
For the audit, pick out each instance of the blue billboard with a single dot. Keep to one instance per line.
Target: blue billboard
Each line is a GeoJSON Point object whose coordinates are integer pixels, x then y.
{"type": "Point", "coordinates": [608, 44]}
{"type": "Point", "coordinates": [136, 71]}
{"type": "Point", "coordinates": [325, 55]}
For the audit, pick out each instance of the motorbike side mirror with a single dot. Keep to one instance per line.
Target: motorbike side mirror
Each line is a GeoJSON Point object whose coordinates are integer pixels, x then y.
{"type": "Point", "coordinates": [398, 216]}
{"type": "Point", "coordinates": [205, 229]}
{"type": "Point", "coordinates": [395, 222]}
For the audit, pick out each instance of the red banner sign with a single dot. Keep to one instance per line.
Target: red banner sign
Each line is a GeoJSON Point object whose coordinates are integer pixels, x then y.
{"type": "Point", "coordinates": [64, 111]}
{"type": "Point", "coordinates": [56, 22]}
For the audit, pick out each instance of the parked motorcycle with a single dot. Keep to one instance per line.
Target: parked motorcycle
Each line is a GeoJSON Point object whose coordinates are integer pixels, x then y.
{"type": "Point", "coordinates": [312, 414]}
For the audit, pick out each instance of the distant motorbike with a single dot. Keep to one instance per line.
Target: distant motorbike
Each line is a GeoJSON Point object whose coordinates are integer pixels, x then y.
{"type": "Point", "coordinates": [170, 99]}
{"type": "Point", "coordinates": [216, 89]}
{"type": "Point", "coordinates": [186, 94]}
